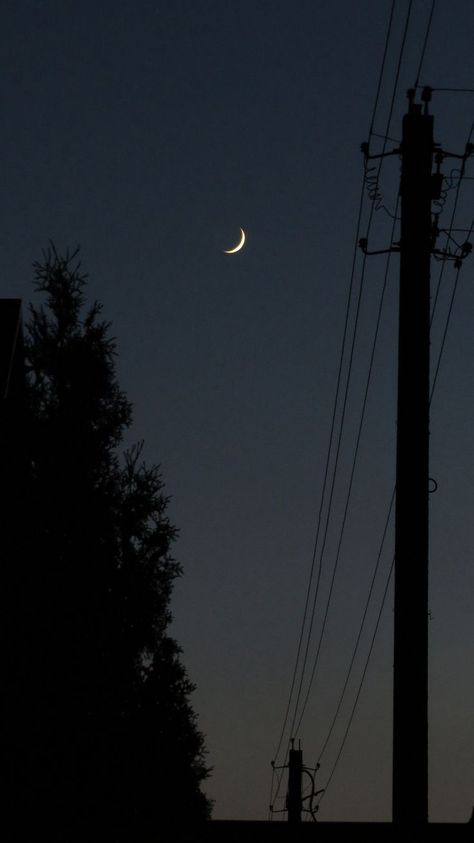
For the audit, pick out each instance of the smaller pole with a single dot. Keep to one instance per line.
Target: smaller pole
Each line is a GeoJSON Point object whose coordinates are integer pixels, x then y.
{"type": "Point", "coordinates": [295, 776]}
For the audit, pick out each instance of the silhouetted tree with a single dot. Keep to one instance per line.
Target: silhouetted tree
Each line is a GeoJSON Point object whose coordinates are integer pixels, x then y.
{"type": "Point", "coordinates": [107, 741]}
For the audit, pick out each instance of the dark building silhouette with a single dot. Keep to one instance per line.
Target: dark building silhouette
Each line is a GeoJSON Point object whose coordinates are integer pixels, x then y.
{"type": "Point", "coordinates": [13, 444]}
{"type": "Point", "coordinates": [11, 374]}
{"type": "Point", "coordinates": [13, 468]}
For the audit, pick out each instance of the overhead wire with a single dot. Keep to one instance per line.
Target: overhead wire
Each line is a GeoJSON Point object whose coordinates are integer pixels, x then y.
{"type": "Point", "coordinates": [331, 494]}
{"type": "Point", "coordinates": [297, 667]}
{"type": "Point", "coordinates": [364, 673]}
{"type": "Point", "coordinates": [361, 629]}
{"type": "Point", "coordinates": [425, 43]}
{"type": "Point", "coordinates": [353, 471]}
{"type": "Point", "coordinates": [372, 584]}
{"type": "Point", "coordinates": [325, 477]}
{"type": "Point", "coordinates": [382, 67]}
{"type": "Point", "coordinates": [336, 400]}
{"type": "Point", "coordinates": [361, 684]}
{"type": "Point", "coordinates": [451, 224]}
{"type": "Point", "coordinates": [433, 386]}
{"type": "Point", "coordinates": [305, 614]}
{"type": "Point", "coordinates": [448, 319]}
{"type": "Point", "coordinates": [345, 334]}
{"type": "Point", "coordinates": [345, 513]}
{"type": "Point", "coordinates": [387, 520]}
{"type": "Point", "coordinates": [337, 391]}
{"type": "Point", "coordinates": [371, 214]}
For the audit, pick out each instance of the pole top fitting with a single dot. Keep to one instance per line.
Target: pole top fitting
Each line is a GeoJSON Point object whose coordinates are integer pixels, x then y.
{"type": "Point", "coordinates": [426, 96]}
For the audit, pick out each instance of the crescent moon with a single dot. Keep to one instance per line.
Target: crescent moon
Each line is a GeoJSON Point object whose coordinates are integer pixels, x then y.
{"type": "Point", "coordinates": [239, 245]}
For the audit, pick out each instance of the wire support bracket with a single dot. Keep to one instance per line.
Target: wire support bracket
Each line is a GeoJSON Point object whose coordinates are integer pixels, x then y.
{"type": "Point", "coordinates": [463, 156]}
{"type": "Point", "coordinates": [364, 148]}
{"type": "Point", "coordinates": [448, 255]}
{"type": "Point", "coordinates": [439, 254]}
{"type": "Point", "coordinates": [363, 244]}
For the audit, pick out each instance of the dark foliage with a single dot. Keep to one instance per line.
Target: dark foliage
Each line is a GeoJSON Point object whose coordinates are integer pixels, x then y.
{"type": "Point", "coordinates": [105, 741]}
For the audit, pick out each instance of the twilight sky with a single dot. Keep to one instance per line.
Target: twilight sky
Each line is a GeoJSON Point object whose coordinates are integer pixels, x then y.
{"type": "Point", "coordinates": [148, 133]}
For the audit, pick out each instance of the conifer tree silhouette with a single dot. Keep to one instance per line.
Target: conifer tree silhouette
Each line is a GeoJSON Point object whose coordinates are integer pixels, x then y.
{"type": "Point", "coordinates": [105, 740]}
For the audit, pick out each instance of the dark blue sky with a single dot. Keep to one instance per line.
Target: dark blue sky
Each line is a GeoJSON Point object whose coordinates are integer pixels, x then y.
{"type": "Point", "coordinates": [148, 133]}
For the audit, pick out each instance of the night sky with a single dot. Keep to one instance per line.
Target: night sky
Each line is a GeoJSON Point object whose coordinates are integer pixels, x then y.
{"type": "Point", "coordinates": [149, 133]}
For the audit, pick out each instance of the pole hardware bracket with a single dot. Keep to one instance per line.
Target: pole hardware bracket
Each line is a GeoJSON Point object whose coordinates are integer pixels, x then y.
{"type": "Point", "coordinates": [312, 809]}
{"type": "Point", "coordinates": [447, 254]}
{"type": "Point", "coordinates": [469, 150]}
{"type": "Point", "coordinates": [363, 243]}
{"type": "Point", "coordinates": [364, 148]}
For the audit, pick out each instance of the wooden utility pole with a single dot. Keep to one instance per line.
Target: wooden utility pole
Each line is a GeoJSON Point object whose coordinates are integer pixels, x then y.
{"type": "Point", "coordinates": [410, 696]}
{"type": "Point", "coordinates": [295, 775]}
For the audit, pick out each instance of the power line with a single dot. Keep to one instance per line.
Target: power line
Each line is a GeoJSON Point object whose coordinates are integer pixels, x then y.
{"type": "Point", "coordinates": [331, 495]}
{"type": "Point", "coordinates": [353, 469]}
{"type": "Point", "coordinates": [423, 51]}
{"type": "Point", "coordinates": [448, 235]}
{"type": "Point", "coordinates": [326, 474]}
{"type": "Point", "coordinates": [444, 337]}
{"type": "Point", "coordinates": [386, 136]}
{"type": "Point", "coordinates": [375, 108]}
{"type": "Point", "coordinates": [448, 319]}
{"type": "Point", "coordinates": [354, 707]}
{"type": "Point", "coordinates": [336, 399]}
{"type": "Point", "coordinates": [382, 67]}
{"type": "Point", "coordinates": [328, 516]}
{"type": "Point", "coordinates": [361, 628]}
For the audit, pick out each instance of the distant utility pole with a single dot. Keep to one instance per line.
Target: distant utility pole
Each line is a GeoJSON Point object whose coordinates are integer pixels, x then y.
{"type": "Point", "coordinates": [410, 694]}
{"type": "Point", "coordinates": [295, 778]}
{"type": "Point", "coordinates": [295, 801]}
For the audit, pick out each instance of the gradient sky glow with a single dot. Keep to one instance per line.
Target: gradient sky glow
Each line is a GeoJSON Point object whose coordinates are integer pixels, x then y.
{"type": "Point", "coordinates": [149, 133]}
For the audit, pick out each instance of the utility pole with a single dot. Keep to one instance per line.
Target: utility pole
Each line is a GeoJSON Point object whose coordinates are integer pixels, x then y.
{"type": "Point", "coordinates": [295, 776]}
{"type": "Point", "coordinates": [410, 694]}
{"type": "Point", "coordinates": [294, 797]}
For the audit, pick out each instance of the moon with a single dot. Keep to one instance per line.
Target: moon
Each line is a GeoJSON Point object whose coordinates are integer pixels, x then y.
{"type": "Point", "coordinates": [239, 245]}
